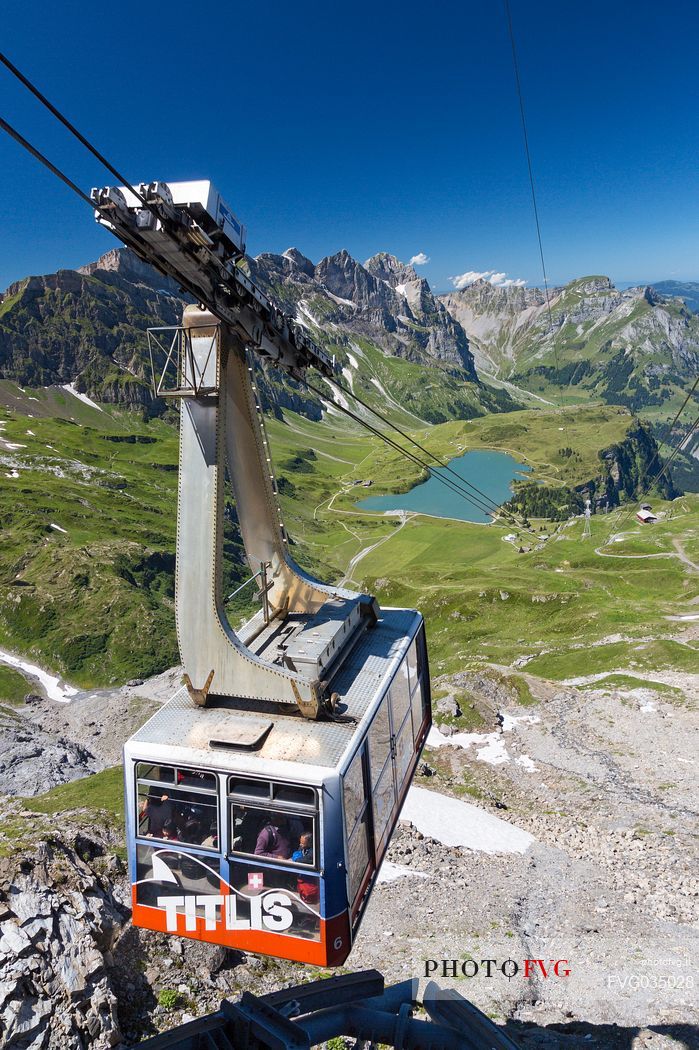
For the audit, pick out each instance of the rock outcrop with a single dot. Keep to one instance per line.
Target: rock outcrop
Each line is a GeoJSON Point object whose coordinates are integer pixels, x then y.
{"type": "Point", "coordinates": [383, 300]}
{"type": "Point", "coordinates": [34, 760]}
{"type": "Point", "coordinates": [59, 921]}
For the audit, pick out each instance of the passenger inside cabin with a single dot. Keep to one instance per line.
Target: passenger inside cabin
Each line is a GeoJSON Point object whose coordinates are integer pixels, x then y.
{"type": "Point", "coordinates": [274, 838]}
{"type": "Point", "coordinates": [211, 840]}
{"type": "Point", "coordinates": [170, 831]}
{"type": "Point", "coordinates": [304, 854]}
{"type": "Point", "coordinates": [155, 811]}
{"type": "Point", "coordinates": [246, 828]}
{"type": "Point", "coordinates": [307, 886]}
{"type": "Point", "coordinates": [192, 831]}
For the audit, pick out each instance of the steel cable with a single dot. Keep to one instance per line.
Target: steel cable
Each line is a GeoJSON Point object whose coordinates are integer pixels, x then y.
{"type": "Point", "coordinates": [74, 131]}
{"type": "Point", "coordinates": [394, 426]}
{"type": "Point", "coordinates": [676, 448]}
{"type": "Point", "coordinates": [413, 458]}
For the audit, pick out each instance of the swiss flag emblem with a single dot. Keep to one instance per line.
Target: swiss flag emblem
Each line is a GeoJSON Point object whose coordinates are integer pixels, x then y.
{"type": "Point", "coordinates": [256, 881]}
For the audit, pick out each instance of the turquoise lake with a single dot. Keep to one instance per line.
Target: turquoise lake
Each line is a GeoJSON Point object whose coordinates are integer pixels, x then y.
{"type": "Point", "coordinates": [491, 472]}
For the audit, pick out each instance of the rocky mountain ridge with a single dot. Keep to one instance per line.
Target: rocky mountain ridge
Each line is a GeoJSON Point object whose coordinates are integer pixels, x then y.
{"type": "Point", "coordinates": [634, 346]}
{"type": "Point", "coordinates": [383, 299]}
{"type": "Point", "coordinates": [88, 327]}
{"type": "Point", "coordinates": [687, 291]}
{"type": "Point", "coordinates": [397, 343]}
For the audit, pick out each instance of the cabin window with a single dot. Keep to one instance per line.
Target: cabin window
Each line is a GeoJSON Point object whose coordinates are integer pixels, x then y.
{"type": "Point", "coordinates": [400, 694]}
{"type": "Point", "coordinates": [418, 709]}
{"type": "Point", "coordinates": [266, 790]}
{"type": "Point", "coordinates": [298, 893]}
{"type": "Point", "coordinates": [160, 774]}
{"type": "Point", "coordinates": [405, 750]}
{"type": "Point", "coordinates": [296, 796]}
{"type": "Point", "coordinates": [356, 823]}
{"type": "Point", "coordinates": [358, 852]}
{"type": "Point", "coordinates": [354, 795]}
{"type": "Point", "coordinates": [417, 658]}
{"type": "Point", "coordinates": [249, 788]}
{"type": "Point", "coordinates": [412, 664]}
{"type": "Point", "coordinates": [165, 872]}
{"type": "Point", "coordinates": [178, 804]}
{"type": "Point", "coordinates": [273, 821]}
{"type": "Point", "coordinates": [379, 741]}
{"type": "Point", "coordinates": [384, 798]}
{"type": "Point", "coordinates": [274, 835]}
{"type": "Point", "coordinates": [419, 684]}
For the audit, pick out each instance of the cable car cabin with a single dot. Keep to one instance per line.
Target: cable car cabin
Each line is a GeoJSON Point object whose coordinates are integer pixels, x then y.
{"type": "Point", "coordinates": [266, 833]}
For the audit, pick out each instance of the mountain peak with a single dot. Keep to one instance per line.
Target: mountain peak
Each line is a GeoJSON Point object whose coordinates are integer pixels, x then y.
{"type": "Point", "coordinates": [390, 269]}
{"type": "Point", "coordinates": [593, 283]}
{"type": "Point", "coordinates": [299, 261]}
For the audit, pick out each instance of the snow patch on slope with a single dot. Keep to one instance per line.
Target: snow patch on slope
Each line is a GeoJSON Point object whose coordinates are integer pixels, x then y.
{"type": "Point", "coordinates": [55, 689]}
{"type": "Point", "coordinates": [491, 747]}
{"type": "Point", "coordinates": [390, 871]}
{"type": "Point", "coordinates": [70, 387]}
{"type": "Point", "coordinates": [456, 823]}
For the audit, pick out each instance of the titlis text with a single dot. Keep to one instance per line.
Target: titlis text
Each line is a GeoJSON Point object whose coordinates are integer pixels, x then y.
{"type": "Point", "coordinates": [530, 968]}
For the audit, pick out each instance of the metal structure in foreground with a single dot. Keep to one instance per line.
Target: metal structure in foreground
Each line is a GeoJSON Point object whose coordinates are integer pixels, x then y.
{"type": "Point", "coordinates": [356, 1006]}
{"type": "Point", "coordinates": [261, 800]}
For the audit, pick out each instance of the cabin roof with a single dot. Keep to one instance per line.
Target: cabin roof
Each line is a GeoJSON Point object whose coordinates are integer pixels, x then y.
{"type": "Point", "coordinates": [181, 726]}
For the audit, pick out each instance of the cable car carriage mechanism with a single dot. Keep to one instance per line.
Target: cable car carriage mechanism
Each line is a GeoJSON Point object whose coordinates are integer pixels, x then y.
{"type": "Point", "coordinates": [261, 799]}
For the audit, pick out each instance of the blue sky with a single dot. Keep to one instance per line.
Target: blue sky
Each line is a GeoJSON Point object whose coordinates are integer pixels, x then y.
{"type": "Point", "coordinates": [371, 126]}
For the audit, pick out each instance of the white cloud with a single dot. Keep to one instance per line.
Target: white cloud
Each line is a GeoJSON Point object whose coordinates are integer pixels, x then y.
{"type": "Point", "coordinates": [499, 280]}
{"type": "Point", "coordinates": [419, 260]}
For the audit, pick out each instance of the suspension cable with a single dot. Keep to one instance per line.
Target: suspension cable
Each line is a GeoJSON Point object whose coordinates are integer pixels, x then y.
{"type": "Point", "coordinates": [515, 64]}
{"type": "Point", "coordinates": [669, 429]}
{"type": "Point", "coordinates": [478, 499]}
{"type": "Point", "coordinates": [676, 448]}
{"type": "Point", "coordinates": [13, 133]}
{"type": "Point", "coordinates": [404, 452]}
{"type": "Point", "coordinates": [394, 426]}
{"type": "Point", "coordinates": [481, 505]}
{"type": "Point", "coordinates": [410, 456]}
{"type": "Point", "coordinates": [74, 131]}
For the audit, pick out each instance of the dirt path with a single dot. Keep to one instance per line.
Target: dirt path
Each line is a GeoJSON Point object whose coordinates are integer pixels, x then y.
{"type": "Point", "coordinates": [683, 557]}
{"type": "Point", "coordinates": [347, 578]}
{"type": "Point", "coordinates": [680, 553]}
{"type": "Point", "coordinates": [518, 389]}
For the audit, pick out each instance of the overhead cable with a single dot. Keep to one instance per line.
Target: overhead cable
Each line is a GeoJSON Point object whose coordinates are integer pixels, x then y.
{"type": "Point", "coordinates": [437, 459]}
{"type": "Point", "coordinates": [462, 482]}
{"type": "Point", "coordinates": [515, 63]}
{"type": "Point", "coordinates": [407, 454]}
{"type": "Point", "coordinates": [654, 480]}
{"type": "Point", "coordinates": [74, 131]}
{"type": "Point", "coordinates": [13, 133]}
{"type": "Point", "coordinates": [475, 497]}
{"type": "Point", "coordinates": [670, 427]}
{"type": "Point", "coordinates": [676, 449]}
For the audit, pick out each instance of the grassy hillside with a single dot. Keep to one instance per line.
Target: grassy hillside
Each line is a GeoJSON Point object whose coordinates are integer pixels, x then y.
{"type": "Point", "coordinates": [87, 503]}
{"type": "Point", "coordinates": [483, 600]}
{"type": "Point", "coordinates": [87, 506]}
{"type": "Point", "coordinates": [592, 341]}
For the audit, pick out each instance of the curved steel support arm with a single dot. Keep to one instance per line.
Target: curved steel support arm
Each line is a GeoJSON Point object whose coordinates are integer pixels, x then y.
{"type": "Point", "coordinates": [222, 427]}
